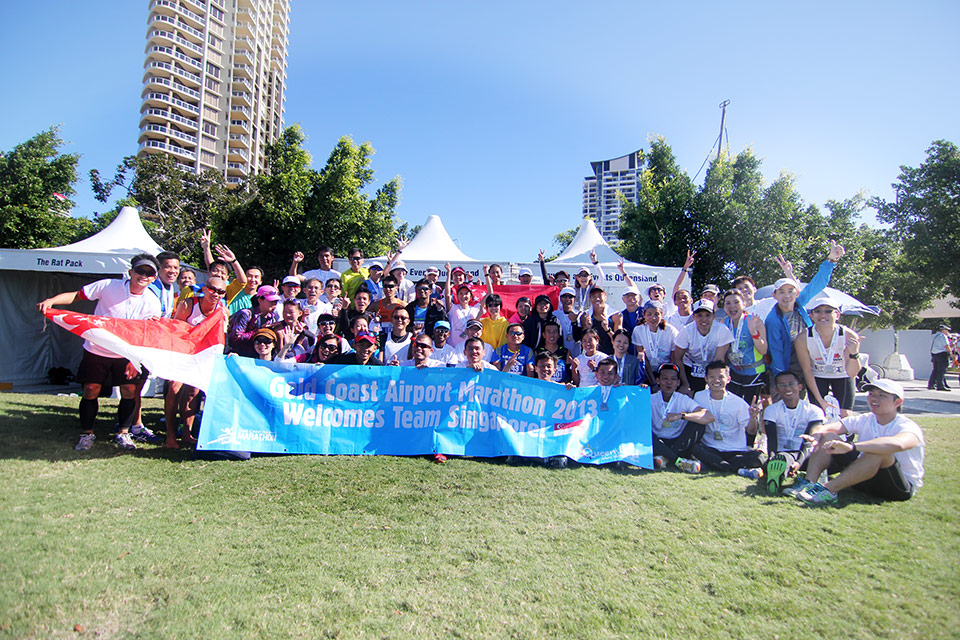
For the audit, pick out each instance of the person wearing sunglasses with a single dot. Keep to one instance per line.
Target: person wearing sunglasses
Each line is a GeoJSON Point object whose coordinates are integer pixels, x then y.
{"type": "Point", "coordinates": [244, 323]}
{"type": "Point", "coordinates": [364, 348]}
{"type": "Point", "coordinates": [193, 311]}
{"type": "Point", "coordinates": [265, 343]}
{"type": "Point", "coordinates": [514, 356]}
{"type": "Point", "coordinates": [423, 312]}
{"type": "Point", "coordinates": [219, 267]}
{"type": "Point", "coordinates": [328, 347]}
{"type": "Point", "coordinates": [352, 278]}
{"type": "Point", "coordinates": [421, 355]}
{"type": "Point", "coordinates": [116, 298]}
{"type": "Point", "coordinates": [388, 304]}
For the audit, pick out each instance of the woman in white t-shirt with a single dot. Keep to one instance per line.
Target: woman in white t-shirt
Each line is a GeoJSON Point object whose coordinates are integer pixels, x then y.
{"type": "Point", "coordinates": [656, 338]}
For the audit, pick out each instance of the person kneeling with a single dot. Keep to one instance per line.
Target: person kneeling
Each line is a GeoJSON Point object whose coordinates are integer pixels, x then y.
{"type": "Point", "coordinates": [724, 443]}
{"type": "Point", "coordinates": [885, 461]}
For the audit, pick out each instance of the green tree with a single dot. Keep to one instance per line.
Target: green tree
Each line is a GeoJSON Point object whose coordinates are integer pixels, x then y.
{"type": "Point", "coordinates": [175, 204]}
{"type": "Point", "coordinates": [926, 219]}
{"type": "Point", "coordinates": [293, 207]}
{"type": "Point", "coordinates": [31, 175]}
{"type": "Point", "coordinates": [659, 227]}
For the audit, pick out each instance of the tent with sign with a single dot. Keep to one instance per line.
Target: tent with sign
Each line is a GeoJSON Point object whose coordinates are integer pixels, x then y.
{"type": "Point", "coordinates": [431, 247]}
{"type": "Point", "coordinates": [577, 256]}
{"type": "Point", "coordinates": [28, 276]}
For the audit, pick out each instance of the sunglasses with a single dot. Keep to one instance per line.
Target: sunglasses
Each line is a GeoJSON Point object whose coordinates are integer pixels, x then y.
{"type": "Point", "coordinates": [423, 288]}
{"type": "Point", "coordinates": [352, 258]}
{"type": "Point", "coordinates": [146, 272]}
{"type": "Point", "coordinates": [423, 345]}
{"type": "Point", "coordinates": [389, 286]}
{"type": "Point", "coordinates": [219, 292]}
{"type": "Point", "coordinates": [329, 346]}
{"type": "Point", "coordinates": [516, 333]}
{"type": "Point", "coordinates": [263, 341]}
{"type": "Point", "coordinates": [398, 318]}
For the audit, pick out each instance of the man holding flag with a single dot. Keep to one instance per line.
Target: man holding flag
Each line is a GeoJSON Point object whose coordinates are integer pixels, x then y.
{"type": "Point", "coordinates": [116, 298]}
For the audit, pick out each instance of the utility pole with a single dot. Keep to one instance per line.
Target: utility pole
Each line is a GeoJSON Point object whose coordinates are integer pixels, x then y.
{"type": "Point", "coordinates": [723, 115]}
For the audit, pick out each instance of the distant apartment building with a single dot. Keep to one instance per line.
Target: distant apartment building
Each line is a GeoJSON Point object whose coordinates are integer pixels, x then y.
{"type": "Point", "coordinates": [214, 82]}
{"type": "Point", "coordinates": [600, 201]}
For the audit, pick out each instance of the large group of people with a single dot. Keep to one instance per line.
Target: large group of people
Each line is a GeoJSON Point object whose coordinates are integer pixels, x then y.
{"type": "Point", "coordinates": [761, 388]}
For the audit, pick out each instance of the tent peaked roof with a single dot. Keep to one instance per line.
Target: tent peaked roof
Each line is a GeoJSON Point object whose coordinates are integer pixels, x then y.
{"type": "Point", "coordinates": [125, 235]}
{"type": "Point", "coordinates": [433, 243]}
{"type": "Point", "coordinates": [588, 238]}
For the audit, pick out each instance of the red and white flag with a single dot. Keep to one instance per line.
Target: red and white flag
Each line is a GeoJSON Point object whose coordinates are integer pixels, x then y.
{"type": "Point", "coordinates": [59, 196]}
{"type": "Point", "coordinates": [169, 349]}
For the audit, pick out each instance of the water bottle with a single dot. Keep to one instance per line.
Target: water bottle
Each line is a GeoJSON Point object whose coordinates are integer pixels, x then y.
{"type": "Point", "coordinates": [833, 408]}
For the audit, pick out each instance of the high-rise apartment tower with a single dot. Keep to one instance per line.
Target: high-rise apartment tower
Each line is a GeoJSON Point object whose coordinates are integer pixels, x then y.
{"type": "Point", "coordinates": [214, 81]}
{"type": "Point", "coordinates": [610, 177]}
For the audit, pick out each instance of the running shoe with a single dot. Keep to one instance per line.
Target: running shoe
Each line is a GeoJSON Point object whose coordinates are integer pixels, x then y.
{"type": "Point", "coordinates": [753, 474]}
{"type": "Point", "coordinates": [141, 433]}
{"type": "Point", "coordinates": [797, 487]}
{"type": "Point", "coordinates": [659, 463]}
{"type": "Point", "coordinates": [817, 494]}
{"type": "Point", "coordinates": [86, 442]}
{"type": "Point", "coordinates": [776, 471]}
{"type": "Point", "coordinates": [688, 465]}
{"type": "Point", "coordinates": [124, 441]}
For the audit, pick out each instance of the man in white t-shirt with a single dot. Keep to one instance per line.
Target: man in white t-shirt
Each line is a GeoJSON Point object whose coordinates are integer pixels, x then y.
{"type": "Point", "coordinates": [473, 355]}
{"type": "Point", "coordinates": [324, 273]}
{"type": "Point", "coordinates": [698, 344]}
{"type": "Point", "coordinates": [677, 423]}
{"type": "Point", "coordinates": [115, 299]}
{"type": "Point", "coordinates": [886, 460]}
{"type": "Point", "coordinates": [724, 443]}
{"type": "Point", "coordinates": [785, 423]}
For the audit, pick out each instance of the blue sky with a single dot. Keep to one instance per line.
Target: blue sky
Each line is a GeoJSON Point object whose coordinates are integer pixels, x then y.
{"type": "Point", "coordinates": [491, 112]}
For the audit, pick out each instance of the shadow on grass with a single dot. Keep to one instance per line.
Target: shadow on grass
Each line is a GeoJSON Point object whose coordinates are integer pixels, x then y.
{"type": "Point", "coordinates": [54, 441]}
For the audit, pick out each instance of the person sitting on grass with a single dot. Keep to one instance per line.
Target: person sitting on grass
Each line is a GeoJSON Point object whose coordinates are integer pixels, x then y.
{"type": "Point", "coordinates": [677, 422]}
{"type": "Point", "coordinates": [724, 444]}
{"type": "Point", "coordinates": [473, 350]}
{"type": "Point", "coordinates": [514, 357]}
{"type": "Point", "coordinates": [886, 460]}
{"type": "Point", "coordinates": [785, 423]}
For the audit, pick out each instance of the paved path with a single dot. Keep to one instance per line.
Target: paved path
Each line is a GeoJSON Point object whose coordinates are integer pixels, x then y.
{"type": "Point", "coordinates": [920, 401]}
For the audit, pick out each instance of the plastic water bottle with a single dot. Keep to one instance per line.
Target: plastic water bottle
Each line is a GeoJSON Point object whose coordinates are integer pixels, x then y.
{"type": "Point", "coordinates": [833, 408]}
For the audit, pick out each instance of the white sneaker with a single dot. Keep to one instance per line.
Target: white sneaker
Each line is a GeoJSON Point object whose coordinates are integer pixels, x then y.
{"type": "Point", "coordinates": [86, 442]}
{"type": "Point", "coordinates": [141, 433]}
{"type": "Point", "coordinates": [124, 441]}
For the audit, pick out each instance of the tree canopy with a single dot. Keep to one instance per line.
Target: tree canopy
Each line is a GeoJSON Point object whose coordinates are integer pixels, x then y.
{"type": "Point", "coordinates": [36, 182]}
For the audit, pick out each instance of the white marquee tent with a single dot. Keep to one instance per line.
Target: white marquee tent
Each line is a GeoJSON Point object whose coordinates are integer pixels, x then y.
{"type": "Point", "coordinates": [28, 276]}
{"type": "Point", "coordinates": [577, 256]}
{"type": "Point", "coordinates": [431, 247]}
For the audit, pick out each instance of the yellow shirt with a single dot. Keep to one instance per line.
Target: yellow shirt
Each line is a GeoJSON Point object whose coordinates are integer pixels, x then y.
{"type": "Point", "coordinates": [495, 331]}
{"type": "Point", "coordinates": [350, 281]}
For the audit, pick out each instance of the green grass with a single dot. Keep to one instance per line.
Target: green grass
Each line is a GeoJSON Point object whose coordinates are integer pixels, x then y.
{"type": "Point", "coordinates": [154, 544]}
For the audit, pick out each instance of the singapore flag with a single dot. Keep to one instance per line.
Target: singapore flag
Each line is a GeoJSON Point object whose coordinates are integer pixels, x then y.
{"type": "Point", "coordinates": [169, 349]}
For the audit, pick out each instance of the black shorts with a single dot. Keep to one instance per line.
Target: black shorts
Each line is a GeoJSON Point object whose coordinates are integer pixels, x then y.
{"type": "Point", "coordinates": [749, 387]}
{"type": "Point", "coordinates": [95, 369]}
{"type": "Point", "coordinates": [888, 484]}
{"type": "Point", "coordinates": [844, 390]}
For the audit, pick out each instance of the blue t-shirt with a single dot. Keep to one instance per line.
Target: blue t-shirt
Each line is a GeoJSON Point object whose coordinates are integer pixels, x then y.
{"type": "Point", "coordinates": [502, 355]}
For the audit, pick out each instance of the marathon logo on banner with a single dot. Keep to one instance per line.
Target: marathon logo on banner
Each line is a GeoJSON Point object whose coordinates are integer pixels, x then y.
{"type": "Point", "coordinates": [273, 407]}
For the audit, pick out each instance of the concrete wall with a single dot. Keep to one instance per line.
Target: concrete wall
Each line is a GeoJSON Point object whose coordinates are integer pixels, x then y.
{"type": "Point", "coordinates": [914, 344]}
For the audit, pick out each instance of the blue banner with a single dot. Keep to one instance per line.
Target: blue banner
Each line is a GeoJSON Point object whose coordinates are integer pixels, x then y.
{"type": "Point", "coordinates": [271, 407]}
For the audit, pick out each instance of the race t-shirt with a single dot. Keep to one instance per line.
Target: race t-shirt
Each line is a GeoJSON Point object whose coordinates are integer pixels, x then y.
{"type": "Point", "coordinates": [702, 349]}
{"type": "Point", "coordinates": [503, 354]}
{"type": "Point", "coordinates": [866, 427]}
{"type": "Point", "coordinates": [659, 409]}
{"type": "Point", "coordinates": [657, 345]}
{"type": "Point", "coordinates": [731, 417]}
{"type": "Point", "coordinates": [588, 376]}
{"type": "Point", "coordinates": [792, 423]}
{"type": "Point", "coordinates": [114, 300]}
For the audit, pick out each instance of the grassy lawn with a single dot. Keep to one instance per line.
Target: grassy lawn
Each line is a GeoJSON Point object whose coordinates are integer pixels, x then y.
{"type": "Point", "coordinates": [155, 544]}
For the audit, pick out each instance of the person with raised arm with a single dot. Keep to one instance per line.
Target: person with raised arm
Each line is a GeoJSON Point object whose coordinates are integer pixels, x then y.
{"type": "Point", "coordinates": [115, 298]}
{"type": "Point", "coordinates": [788, 319]}
{"type": "Point", "coordinates": [514, 356]}
{"type": "Point", "coordinates": [566, 317]}
{"type": "Point", "coordinates": [631, 315]}
{"type": "Point", "coordinates": [325, 272]}
{"type": "Point", "coordinates": [218, 268]}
